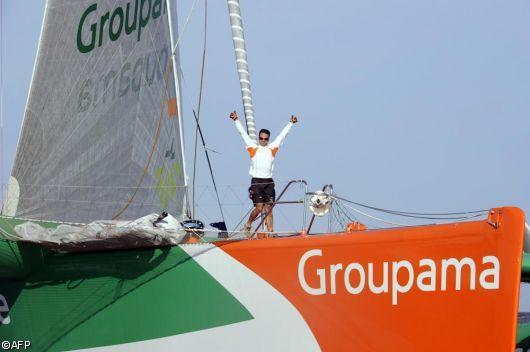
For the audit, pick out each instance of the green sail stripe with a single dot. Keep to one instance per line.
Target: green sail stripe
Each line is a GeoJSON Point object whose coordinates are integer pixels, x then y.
{"type": "Point", "coordinates": [89, 300]}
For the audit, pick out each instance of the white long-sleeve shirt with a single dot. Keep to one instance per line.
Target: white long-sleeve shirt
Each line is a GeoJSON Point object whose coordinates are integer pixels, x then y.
{"type": "Point", "coordinates": [262, 158]}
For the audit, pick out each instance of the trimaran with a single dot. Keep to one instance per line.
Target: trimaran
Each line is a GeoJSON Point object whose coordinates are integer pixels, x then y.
{"type": "Point", "coordinates": [102, 138]}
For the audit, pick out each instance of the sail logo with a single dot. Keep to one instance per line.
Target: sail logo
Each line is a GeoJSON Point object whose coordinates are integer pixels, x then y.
{"type": "Point", "coordinates": [166, 186]}
{"type": "Point", "coordinates": [398, 278]}
{"type": "Point", "coordinates": [133, 19]}
{"type": "Point", "coordinates": [126, 80]}
{"type": "Point", "coordinates": [5, 319]}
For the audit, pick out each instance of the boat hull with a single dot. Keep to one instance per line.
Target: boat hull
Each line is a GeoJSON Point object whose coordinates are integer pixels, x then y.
{"type": "Point", "coordinates": [449, 287]}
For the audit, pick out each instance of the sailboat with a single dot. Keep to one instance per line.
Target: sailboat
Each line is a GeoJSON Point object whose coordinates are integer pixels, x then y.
{"type": "Point", "coordinates": [101, 147]}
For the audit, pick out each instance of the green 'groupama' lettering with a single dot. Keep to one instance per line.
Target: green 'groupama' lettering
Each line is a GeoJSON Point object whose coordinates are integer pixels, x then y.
{"type": "Point", "coordinates": [136, 16]}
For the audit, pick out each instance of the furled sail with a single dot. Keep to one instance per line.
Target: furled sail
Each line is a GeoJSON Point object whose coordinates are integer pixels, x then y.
{"type": "Point", "coordinates": [101, 135]}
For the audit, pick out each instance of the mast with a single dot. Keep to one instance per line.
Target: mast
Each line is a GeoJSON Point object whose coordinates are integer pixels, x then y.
{"type": "Point", "coordinates": [174, 49]}
{"type": "Point", "coordinates": [238, 37]}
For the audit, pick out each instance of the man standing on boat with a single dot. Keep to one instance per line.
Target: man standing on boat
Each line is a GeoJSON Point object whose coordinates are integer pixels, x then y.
{"type": "Point", "coordinates": [262, 156]}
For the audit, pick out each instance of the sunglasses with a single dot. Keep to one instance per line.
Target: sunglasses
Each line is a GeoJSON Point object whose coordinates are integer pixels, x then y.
{"type": "Point", "coordinates": [263, 139]}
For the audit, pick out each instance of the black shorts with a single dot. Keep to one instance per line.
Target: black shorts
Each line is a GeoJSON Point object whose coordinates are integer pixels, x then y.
{"type": "Point", "coordinates": [262, 190]}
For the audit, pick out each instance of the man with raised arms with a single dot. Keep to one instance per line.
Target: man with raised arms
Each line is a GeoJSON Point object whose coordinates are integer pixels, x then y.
{"type": "Point", "coordinates": [262, 156]}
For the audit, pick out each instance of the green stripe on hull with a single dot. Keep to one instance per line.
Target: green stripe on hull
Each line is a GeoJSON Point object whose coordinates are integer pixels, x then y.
{"type": "Point", "coordinates": [76, 301]}
{"type": "Point", "coordinates": [523, 336]}
{"type": "Point", "coordinates": [525, 270]}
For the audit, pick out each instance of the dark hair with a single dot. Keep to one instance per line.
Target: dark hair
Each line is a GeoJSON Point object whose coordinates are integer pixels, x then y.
{"type": "Point", "coordinates": [263, 130]}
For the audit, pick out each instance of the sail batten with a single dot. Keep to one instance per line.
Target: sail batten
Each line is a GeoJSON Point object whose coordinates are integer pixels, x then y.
{"type": "Point", "coordinates": [102, 123]}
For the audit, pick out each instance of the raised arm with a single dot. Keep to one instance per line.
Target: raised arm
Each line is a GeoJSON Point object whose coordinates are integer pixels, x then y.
{"type": "Point", "coordinates": [277, 142]}
{"type": "Point", "coordinates": [246, 138]}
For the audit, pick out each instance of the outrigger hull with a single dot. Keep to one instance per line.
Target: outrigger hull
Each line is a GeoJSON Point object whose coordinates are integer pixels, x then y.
{"type": "Point", "coordinates": [451, 287]}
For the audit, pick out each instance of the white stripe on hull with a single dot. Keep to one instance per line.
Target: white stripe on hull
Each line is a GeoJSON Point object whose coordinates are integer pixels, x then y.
{"type": "Point", "coordinates": [277, 324]}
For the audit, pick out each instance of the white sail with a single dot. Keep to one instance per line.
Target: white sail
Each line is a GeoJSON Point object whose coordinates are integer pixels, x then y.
{"type": "Point", "coordinates": [101, 136]}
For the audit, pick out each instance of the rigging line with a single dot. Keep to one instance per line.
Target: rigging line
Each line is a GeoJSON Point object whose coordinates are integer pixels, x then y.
{"type": "Point", "coordinates": [374, 217]}
{"type": "Point", "coordinates": [285, 217]}
{"type": "Point", "coordinates": [153, 147]}
{"type": "Point", "coordinates": [236, 231]}
{"type": "Point", "coordinates": [199, 106]}
{"type": "Point", "coordinates": [209, 165]}
{"type": "Point", "coordinates": [471, 217]}
{"type": "Point", "coordinates": [399, 224]}
{"type": "Point", "coordinates": [345, 215]}
{"type": "Point", "coordinates": [205, 149]}
{"type": "Point", "coordinates": [184, 27]}
{"type": "Point", "coordinates": [433, 218]}
{"type": "Point", "coordinates": [412, 214]}
{"type": "Point", "coordinates": [342, 219]}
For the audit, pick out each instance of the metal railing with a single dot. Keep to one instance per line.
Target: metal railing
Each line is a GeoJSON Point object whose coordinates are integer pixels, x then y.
{"type": "Point", "coordinates": [277, 201]}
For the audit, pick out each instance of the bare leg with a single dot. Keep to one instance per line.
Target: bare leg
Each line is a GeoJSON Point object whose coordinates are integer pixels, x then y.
{"type": "Point", "coordinates": [257, 210]}
{"type": "Point", "coordinates": [269, 219]}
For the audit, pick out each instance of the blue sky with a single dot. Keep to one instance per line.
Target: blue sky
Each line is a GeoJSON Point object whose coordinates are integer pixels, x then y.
{"type": "Point", "coordinates": [420, 105]}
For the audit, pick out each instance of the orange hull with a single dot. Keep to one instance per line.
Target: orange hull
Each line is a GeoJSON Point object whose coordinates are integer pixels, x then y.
{"type": "Point", "coordinates": [451, 287]}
